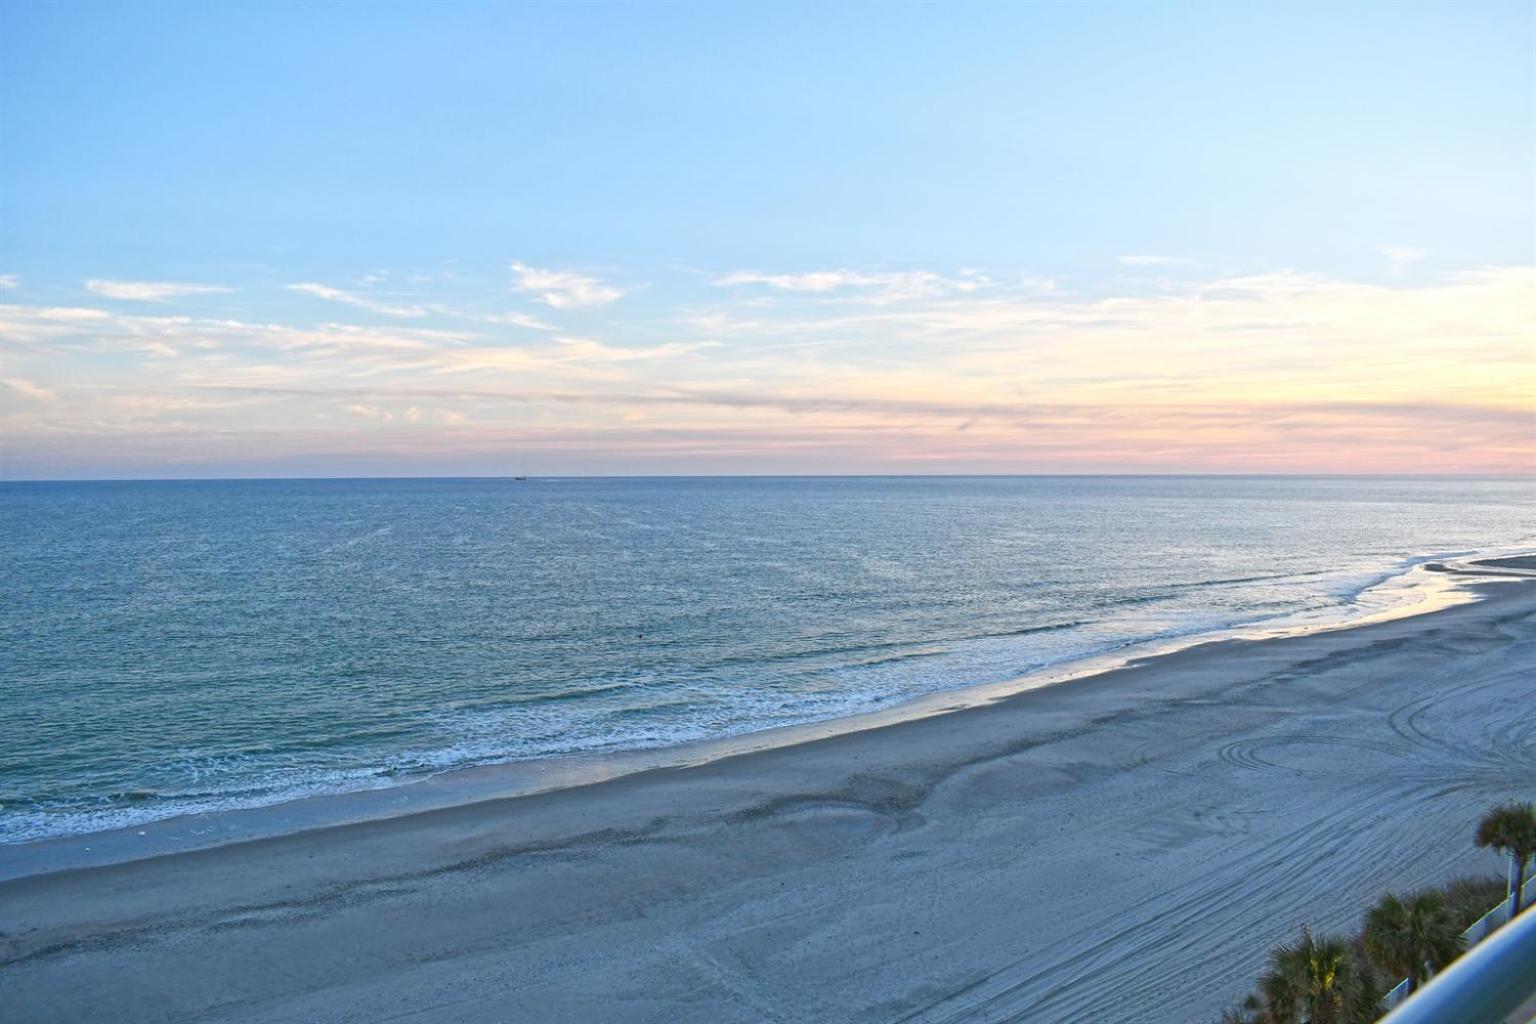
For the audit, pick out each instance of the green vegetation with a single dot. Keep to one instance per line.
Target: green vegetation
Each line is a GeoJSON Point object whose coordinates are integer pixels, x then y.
{"type": "Point", "coordinates": [1320, 980]}
{"type": "Point", "coordinates": [1411, 937]}
{"type": "Point", "coordinates": [1325, 979]}
{"type": "Point", "coordinates": [1468, 899]}
{"type": "Point", "coordinates": [1511, 829]}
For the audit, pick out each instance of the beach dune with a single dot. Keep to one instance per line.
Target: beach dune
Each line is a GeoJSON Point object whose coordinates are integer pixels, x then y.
{"type": "Point", "coordinates": [1121, 848]}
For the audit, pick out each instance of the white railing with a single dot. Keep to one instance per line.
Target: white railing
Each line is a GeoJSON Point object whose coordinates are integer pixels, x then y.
{"type": "Point", "coordinates": [1480, 930]}
{"type": "Point", "coordinates": [1491, 982]}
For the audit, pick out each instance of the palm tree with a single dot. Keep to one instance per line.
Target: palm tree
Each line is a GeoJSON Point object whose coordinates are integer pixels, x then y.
{"type": "Point", "coordinates": [1282, 994]}
{"type": "Point", "coordinates": [1249, 1011]}
{"type": "Point", "coordinates": [1317, 980]}
{"type": "Point", "coordinates": [1511, 829]}
{"type": "Point", "coordinates": [1412, 937]}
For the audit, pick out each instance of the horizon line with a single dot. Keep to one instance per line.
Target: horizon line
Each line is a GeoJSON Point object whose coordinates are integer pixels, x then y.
{"type": "Point", "coordinates": [1530, 476]}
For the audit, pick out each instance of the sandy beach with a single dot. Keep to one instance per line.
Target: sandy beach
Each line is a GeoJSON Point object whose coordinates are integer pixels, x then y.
{"type": "Point", "coordinates": [1121, 848]}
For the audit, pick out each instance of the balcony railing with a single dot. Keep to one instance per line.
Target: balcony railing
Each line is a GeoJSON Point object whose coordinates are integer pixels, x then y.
{"type": "Point", "coordinates": [1487, 985]}
{"type": "Point", "coordinates": [1480, 930]}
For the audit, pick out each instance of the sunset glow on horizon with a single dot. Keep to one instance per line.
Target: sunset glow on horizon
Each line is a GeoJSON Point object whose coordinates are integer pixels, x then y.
{"type": "Point", "coordinates": [831, 371]}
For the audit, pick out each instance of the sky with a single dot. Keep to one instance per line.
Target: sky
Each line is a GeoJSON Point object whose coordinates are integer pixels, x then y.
{"type": "Point", "coordinates": [470, 239]}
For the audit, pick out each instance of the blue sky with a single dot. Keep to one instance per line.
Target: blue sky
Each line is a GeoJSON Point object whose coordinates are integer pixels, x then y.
{"type": "Point", "coordinates": [413, 157]}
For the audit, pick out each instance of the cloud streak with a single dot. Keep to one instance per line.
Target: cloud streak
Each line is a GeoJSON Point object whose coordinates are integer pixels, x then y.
{"type": "Point", "coordinates": [150, 291]}
{"type": "Point", "coordinates": [1158, 261]}
{"type": "Point", "coordinates": [330, 294]}
{"type": "Point", "coordinates": [28, 389]}
{"type": "Point", "coordinates": [1401, 257]}
{"type": "Point", "coordinates": [1277, 370]}
{"type": "Point", "coordinates": [563, 289]}
{"type": "Point", "coordinates": [880, 286]}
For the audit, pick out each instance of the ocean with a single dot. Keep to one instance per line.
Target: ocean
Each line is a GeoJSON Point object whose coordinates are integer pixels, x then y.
{"type": "Point", "coordinates": [177, 647]}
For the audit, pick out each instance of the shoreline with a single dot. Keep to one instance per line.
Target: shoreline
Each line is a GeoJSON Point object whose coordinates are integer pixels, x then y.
{"type": "Point", "coordinates": [1441, 583]}
{"type": "Point", "coordinates": [1122, 850]}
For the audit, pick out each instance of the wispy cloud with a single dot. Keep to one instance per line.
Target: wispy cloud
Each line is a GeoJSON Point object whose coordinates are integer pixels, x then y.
{"type": "Point", "coordinates": [883, 286]}
{"type": "Point", "coordinates": [150, 291]}
{"type": "Point", "coordinates": [533, 323]}
{"type": "Point", "coordinates": [811, 281]}
{"type": "Point", "coordinates": [1278, 370]}
{"type": "Point", "coordinates": [324, 291]}
{"type": "Point", "coordinates": [31, 390]}
{"type": "Point", "coordinates": [371, 412]}
{"type": "Point", "coordinates": [1401, 257]}
{"type": "Point", "coordinates": [1157, 261]}
{"type": "Point", "coordinates": [596, 351]}
{"type": "Point", "coordinates": [8, 281]}
{"type": "Point", "coordinates": [563, 289]}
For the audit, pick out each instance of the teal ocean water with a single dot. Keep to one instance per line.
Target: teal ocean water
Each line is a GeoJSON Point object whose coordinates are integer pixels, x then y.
{"type": "Point", "coordinates": [175, 647]}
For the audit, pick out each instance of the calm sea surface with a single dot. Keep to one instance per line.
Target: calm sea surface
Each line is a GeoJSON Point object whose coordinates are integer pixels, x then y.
{"type": "Point", "coordinates": [170, 647]}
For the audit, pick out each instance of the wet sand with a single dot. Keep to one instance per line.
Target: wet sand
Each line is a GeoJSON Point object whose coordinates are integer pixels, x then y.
{"type": "Point", "coordinates": [1121, 848]}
